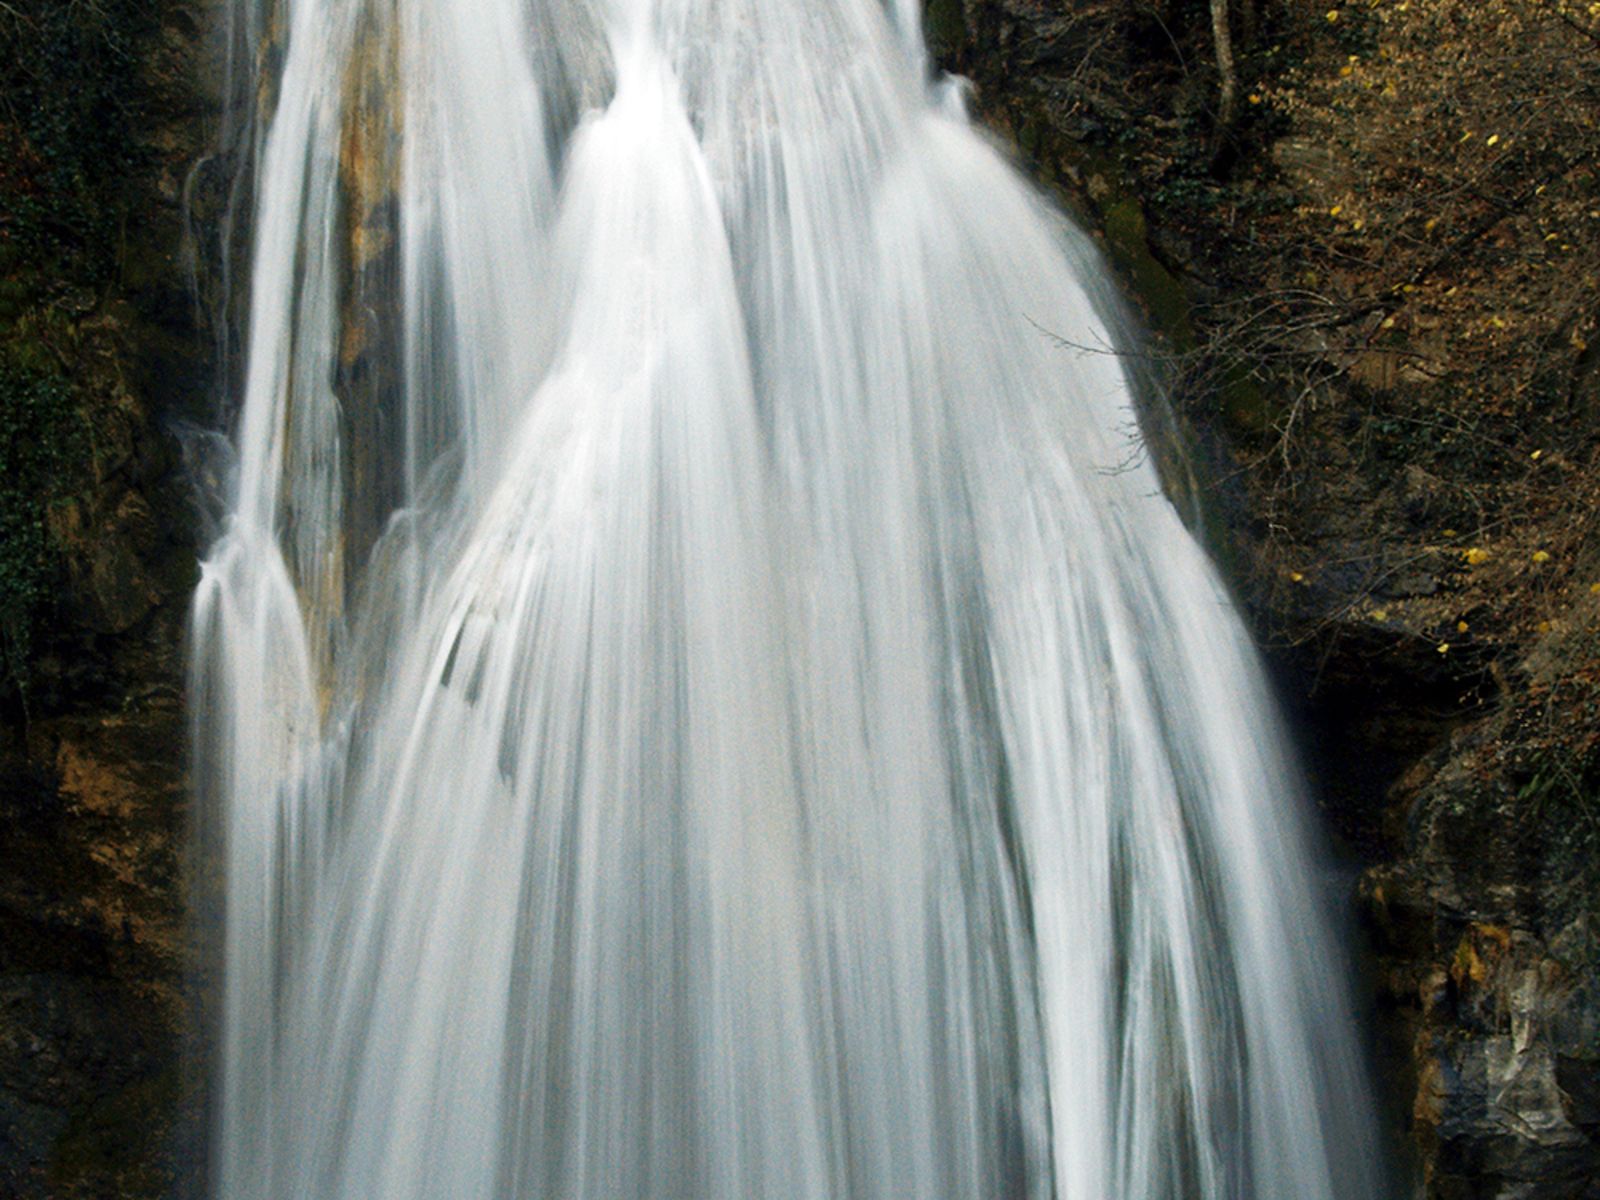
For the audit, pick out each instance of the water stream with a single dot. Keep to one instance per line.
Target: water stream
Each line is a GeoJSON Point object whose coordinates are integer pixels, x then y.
{"type": "Point", "coordinates": [700, 695]}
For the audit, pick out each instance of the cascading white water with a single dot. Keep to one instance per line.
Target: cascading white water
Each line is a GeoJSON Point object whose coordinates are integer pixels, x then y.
{"type": "Point", "coordinates": [724, 715]}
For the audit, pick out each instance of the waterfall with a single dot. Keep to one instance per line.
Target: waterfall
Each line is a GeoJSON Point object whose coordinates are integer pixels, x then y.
{"type": "Point", "coordinates": [699, 695]}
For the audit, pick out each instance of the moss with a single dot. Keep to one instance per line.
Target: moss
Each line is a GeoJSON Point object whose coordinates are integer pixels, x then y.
{"type": "Point", "coordinates": [1163, 298]}
{"type": "Point", "coordinates": [945, 24]}
{"type": "Point", "coordinates": [40, 446]}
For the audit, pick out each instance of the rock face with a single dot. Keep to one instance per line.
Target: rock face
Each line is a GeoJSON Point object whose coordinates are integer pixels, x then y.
{"type": "Point", "coordinates": [1488, 929]}
{"type": "Point", "coordinates": [1386, 388]}
{"type": "Point", "coordinates": [99, 318]}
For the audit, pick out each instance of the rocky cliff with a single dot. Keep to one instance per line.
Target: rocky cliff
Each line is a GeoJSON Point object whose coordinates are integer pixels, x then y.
{"type": "Point", "coordinates": [101, 123]}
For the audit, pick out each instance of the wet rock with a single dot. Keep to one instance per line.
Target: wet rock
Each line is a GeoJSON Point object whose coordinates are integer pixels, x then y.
{"type": "Point", "coordinates": [107, 556]}
{"type": "Point", "coordinates": [92, 788]}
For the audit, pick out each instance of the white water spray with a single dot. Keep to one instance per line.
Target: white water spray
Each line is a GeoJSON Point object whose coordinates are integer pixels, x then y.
{"type": "Point", "coordinates": [697, 699]}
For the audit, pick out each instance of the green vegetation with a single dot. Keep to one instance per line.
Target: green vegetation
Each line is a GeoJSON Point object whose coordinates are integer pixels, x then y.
{"type": "Point", "coordinates": [40, 443]}
{"type": "Point", "coordinates": [71, 111]}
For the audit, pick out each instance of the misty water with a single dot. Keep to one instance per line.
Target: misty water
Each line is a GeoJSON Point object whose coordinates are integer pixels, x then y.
{"type": "Point", "coordinates": [698, 692]}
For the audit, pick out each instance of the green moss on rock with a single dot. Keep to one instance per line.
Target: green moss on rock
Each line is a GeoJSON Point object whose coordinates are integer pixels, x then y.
{"type": "Point", "coordinates": [945, 25]}
{"type": "Point", "coordinates": [1163, 298]}
{"type": "Point", "coordinates": [40, 444]}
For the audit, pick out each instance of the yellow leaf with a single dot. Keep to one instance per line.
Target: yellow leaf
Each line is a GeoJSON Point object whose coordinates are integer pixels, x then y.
{"type": "Point", "coordinates": [1536, 455]}
{"type": "Point", "coordinates": [1476, 556]}
{"type": "Point", "coordinates": [1444, 647]}
{"type": "Point", "coordinates": [1382, 614]}
{"type": "Point", "coordinates": [1493, 138]}
{"type": "Point", "coordinates": [1541, 556]}
{"type": "Point", "coordinates": [1333, 14]}
{"type": "Point", "coordinates": [1336, 210]}
{"type": "Point", "coordinates": [1461, 627]}
{"type": "Point", "coordinates": [1296, 577]}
